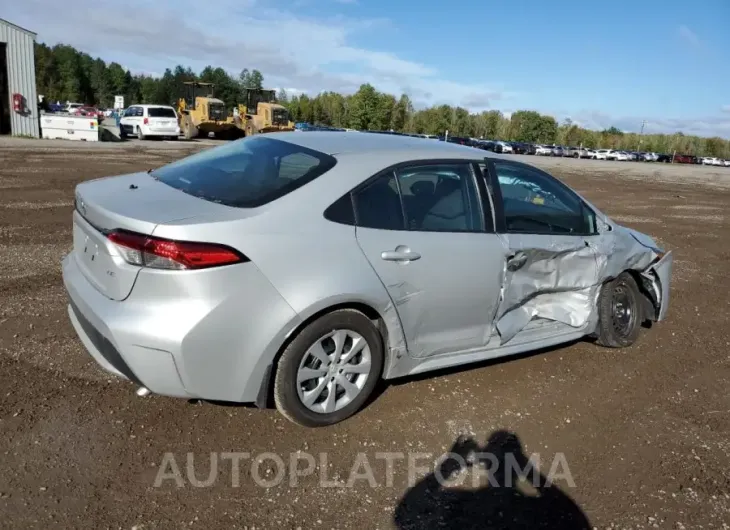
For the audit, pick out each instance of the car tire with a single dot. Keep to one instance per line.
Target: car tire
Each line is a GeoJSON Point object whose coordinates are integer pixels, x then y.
{"type": "Point", "coordinates": [122, 134]}
{"type": "Point", "coordinates": [288, 390]}
{"type": "Point", "coordinates": [140, 135]}
{"type": "Point", "coordinates": [619, 312]}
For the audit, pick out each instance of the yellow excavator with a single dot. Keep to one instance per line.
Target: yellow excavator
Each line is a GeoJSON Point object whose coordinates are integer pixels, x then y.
{"type": "Point", "coordinates": [201, 113]}
{"type": "Point", "coordinates": [261, 113]}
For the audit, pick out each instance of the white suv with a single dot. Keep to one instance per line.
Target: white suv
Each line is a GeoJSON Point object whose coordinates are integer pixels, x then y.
{"type": "Point", "coordinates": [144, 121]}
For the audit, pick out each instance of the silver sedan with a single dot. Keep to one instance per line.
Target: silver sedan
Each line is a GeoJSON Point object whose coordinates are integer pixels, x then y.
{"type": "Point", "coordinates": [302, 269]}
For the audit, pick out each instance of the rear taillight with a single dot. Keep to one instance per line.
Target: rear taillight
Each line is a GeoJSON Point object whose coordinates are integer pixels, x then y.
{"type": "Point", "coordinates": [157, 253]}
{"type": "Point", "coordinates": [146, 121]}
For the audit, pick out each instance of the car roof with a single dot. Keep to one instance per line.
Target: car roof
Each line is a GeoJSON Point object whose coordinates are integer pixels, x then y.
{"type": "Point", "coordinates": [388, 147]}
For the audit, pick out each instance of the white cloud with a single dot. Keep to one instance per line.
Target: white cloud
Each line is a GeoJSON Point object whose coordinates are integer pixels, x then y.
{"type": "Point", "coordinates": [689, 36]}
{"type": "Point", "coordinates": [292, 50]}
{"type": "Point", "coordinates": [725, 108]}
{"type": "Point", "coordinates": [703, 126]}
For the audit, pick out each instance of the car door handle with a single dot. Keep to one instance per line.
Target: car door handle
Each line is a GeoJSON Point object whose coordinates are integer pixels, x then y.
{"type": "Point", "coordinates": [400, 255]}
{"type": "Point", "coordinates": [517, 261]}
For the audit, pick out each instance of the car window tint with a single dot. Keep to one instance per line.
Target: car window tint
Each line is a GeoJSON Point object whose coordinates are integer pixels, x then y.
{"type": "Point", "coordinates": [293, 165]}
{"type": "Point", "coordinates": [537, 203]}
{"type": "Point", "coordinates": [378, 204]}
{"type": "Point", "coordinates": [441, 198]}
{"type": "Point", "coordinates": [246, 173]}
{"type": "Point", "coordinates": [341, 211]}
{"type": "Point", "coordinates": [161, 112]}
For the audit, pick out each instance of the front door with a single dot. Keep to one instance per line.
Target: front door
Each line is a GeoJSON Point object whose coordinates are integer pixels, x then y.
{"type": "Point", "coordinates": [551, 268]}
{"type": "Point", "coordinates": [424, 230]}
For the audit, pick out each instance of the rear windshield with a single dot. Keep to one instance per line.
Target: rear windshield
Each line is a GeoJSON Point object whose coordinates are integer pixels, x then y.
{"type": "Point", "coordinates": [161, 112]}
{"type": "Point", "coordinates": [246, 173]}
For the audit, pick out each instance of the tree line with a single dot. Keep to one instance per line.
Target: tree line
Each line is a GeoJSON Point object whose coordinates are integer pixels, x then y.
{"type": "Point", "coordinates": [66, 74]}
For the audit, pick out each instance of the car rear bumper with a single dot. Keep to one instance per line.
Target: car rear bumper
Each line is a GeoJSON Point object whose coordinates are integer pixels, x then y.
{"type": "Point", "coordinates": [99, 323]}
{"type": "Point", "coordinates": [207, 344]}
{"type": "Point", "coordinates": [159, 131]}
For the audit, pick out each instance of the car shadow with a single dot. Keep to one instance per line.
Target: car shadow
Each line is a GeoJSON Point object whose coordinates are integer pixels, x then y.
{"type": "Point", "coordinates": [516, 495]}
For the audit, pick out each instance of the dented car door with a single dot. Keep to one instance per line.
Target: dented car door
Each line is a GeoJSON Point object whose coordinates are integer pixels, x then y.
{"type": "Point", "coordinates": [551, 237]}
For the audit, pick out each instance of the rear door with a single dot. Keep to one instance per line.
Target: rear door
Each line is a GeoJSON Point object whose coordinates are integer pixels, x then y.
{"type": "Point", "coordinates": [161, 119]}
{"type": "Point", "coordinates": [551, 235]}
{"type": "Point", "coordinates": [427, 230]}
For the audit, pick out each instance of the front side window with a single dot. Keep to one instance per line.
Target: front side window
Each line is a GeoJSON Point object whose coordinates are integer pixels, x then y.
{"type": "Point", "coordinates": [536, 203]}
{"type": "Point", "coordinates": [246, 173]}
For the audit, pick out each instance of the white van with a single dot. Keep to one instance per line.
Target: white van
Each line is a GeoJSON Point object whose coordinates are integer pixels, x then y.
{"type": "Point", "coordinates": [144, 121]}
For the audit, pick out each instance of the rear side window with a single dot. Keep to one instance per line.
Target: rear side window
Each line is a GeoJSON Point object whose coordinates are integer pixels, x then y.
{"type": "Point", "coordinates": [378, 204]}
{"type": "Point", "coordinates": [161, 112]}
{"type": "Point", "coordinates": [246, 173]}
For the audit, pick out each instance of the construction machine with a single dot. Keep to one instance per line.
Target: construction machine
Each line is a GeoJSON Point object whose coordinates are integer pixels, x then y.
{"type": "Point", "coordinates": [201, 113]}
{"type": "Point", "coordinates": [260, 113]}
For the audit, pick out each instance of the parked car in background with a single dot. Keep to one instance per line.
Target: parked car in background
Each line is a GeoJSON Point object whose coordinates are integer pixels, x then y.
{"type": "Point", "coordinates": [726, 163]}
{"type": "Point", "coordinates": [558, 150]}
{"type": "Point", "coordinates": [712, 161]}
{"type": "Point", "coordinates": [519, 148]}
{"type": "Point", "coordinates": [602, 154]}
{"type": "Point", "coordinates": [90, 112]}
{"type": "Point", "coordinates": [174, 284]}
{"type": "Point", "coordinates": [650, 157]}
{"type": "Point", "coordinates": [461, 140]}
{"type": "Point", "coordinates": [486, 145]}
{"type": "Point", "coordinates": [684, 159]}
{"type": "Point", "coordinates": [530, 149]}
{"type": "Point", "coordinates": [503, 147]}
{"type": "Point", "coordinates": [543, 150]}
{"type": "Point", "coordinates": [590, 153]}
{"type": "Point", "coordinates": [578, 152]}
{"type": "Point", "coordinates": [145, 121]}
{"type": "Point", "coordinates": [73, 108]}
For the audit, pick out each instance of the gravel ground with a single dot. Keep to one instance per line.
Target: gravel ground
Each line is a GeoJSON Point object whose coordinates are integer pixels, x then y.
{"type": "Point", "coordinates": [641, 435]}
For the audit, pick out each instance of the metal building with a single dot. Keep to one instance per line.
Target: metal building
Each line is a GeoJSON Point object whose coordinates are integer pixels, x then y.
{"type": "Point", "coordinates": [19, 114]}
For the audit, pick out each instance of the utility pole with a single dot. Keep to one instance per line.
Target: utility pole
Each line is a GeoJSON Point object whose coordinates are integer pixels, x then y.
{"type": "Point", "coordinates": [641, 134]}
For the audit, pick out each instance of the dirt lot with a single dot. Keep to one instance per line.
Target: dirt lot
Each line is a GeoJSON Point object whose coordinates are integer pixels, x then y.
{"type": "Point", "coordinates": [645, 432]}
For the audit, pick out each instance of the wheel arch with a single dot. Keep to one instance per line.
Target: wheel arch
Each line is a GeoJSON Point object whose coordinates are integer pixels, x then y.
{"type": "Point", "coordinates": [265, 397]}
{"type": "Point", "coordinates": [649, 302]}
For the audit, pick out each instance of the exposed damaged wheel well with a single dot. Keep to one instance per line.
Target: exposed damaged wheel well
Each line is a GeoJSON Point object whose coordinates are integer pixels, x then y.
{"type": "Point", "coordinates": [265, 397]}
{"type": "Point", "coordinates": [649, 301]}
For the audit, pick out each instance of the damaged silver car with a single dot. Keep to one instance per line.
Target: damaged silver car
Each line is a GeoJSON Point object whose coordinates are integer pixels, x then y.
{"type": "Point", "coordinates": [301, 269]}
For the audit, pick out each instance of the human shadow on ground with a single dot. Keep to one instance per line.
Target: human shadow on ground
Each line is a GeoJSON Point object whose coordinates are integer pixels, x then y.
{"type": "Point", "coordinates": [501, 504]}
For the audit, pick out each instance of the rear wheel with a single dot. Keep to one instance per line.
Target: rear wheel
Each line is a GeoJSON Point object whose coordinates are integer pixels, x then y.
{"type": "Point", "coordinates": [140, 135]}
{"type": "Point", "coordinates": [329, 370]}
{"type": "Point", "coordinates": [619, 312]}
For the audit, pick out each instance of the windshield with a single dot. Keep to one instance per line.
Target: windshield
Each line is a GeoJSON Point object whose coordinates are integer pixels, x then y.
{"type": "Point", "coordinates": [246, 173]}
{"type": "Point", "coordinates": [161, 112]}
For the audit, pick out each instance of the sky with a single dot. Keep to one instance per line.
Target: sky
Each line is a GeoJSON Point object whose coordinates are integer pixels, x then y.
{"type": "Point", "coordinates": [622, 63]}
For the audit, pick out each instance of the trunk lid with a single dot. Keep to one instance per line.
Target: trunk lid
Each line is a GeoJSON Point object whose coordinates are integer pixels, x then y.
{"type": "Point", "coordinates": [135, 202]}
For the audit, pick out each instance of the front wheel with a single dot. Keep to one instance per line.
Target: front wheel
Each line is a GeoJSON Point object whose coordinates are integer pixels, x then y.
{"type": "Point", "coordinates": [327, 373]}
{"type": "Point", "coordinates": [140, 134]}
{"type": "Point", "coordinates": [619, 312]}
